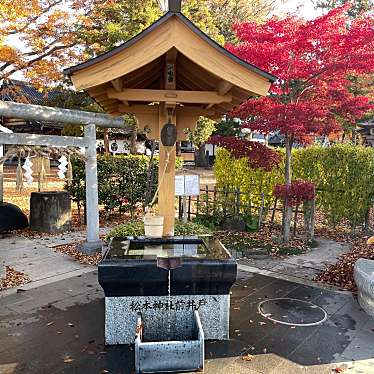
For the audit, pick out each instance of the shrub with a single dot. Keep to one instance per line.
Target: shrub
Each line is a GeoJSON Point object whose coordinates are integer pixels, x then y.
{"type": "Point", "coordinates": [232, 173]}
{"type": "Point", "coordinates": [296, 193]}
{"type": "Point", "coordinates": [136, 228]}
{"type": "Point", "coordinates": [122, 181]}
{"type": "Point", "coordinates": [343, 175]}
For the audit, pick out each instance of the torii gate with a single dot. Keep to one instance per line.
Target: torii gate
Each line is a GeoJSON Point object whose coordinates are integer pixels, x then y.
{"type": "Point", "coordinates": [65, 116]}
{"type": "Point", "coordinates": [170, 72]}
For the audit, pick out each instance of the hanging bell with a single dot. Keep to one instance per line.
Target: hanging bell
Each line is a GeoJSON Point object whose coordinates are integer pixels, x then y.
{"type": "Point", "coordinates": [169, 135]}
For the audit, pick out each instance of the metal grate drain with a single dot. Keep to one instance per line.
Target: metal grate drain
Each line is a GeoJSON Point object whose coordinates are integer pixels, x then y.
{"type": "Point", "coordinates": [292, 312]}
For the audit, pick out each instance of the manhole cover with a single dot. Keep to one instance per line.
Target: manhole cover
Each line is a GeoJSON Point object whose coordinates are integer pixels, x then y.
{"type": "Point", "coordinates": [292, 312]}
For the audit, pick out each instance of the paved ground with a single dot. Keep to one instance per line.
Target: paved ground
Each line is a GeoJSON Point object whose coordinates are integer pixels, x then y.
{"type": "Point", "coordinates": [58, 328]}
{"type": "Point", "coordinates": [300, 268]}
{"type": "Point", "coordinates": [37, 259]}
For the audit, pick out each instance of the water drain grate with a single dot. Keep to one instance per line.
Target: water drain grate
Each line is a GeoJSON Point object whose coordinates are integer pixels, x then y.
{"type": "Point", "coordinates": [292, 312]}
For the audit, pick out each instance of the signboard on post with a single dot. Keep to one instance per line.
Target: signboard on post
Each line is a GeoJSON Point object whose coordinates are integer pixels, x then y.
{"type": "Point", "coordinates": [187, 185]}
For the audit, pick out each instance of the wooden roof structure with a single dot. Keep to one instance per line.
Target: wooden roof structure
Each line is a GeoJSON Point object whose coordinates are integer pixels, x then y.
{"type": "Point", "coordinates": [170, 73]}
{"type": "Point", "coordinates": [207, 74]}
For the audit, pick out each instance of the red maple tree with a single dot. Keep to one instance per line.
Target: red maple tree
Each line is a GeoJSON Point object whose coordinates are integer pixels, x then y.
{"type": "Point", "coordinates": [313, 60]}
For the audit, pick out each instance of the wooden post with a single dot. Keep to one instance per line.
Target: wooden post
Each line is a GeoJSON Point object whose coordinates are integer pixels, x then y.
{"type": "Point", "coordinates": [1, 175]}
{"type": "Point", "coordinates": [106, 142]}
{"type": "Point", "coordinates": [214, 200]}
{"type": "Point", "coordinates": [295, 220]}
{"type": "Point", "coordinates": [92, 199]}
{"type": "Point", "coordinates": [237, 201]}
{"type": "Point", "coordinates": [273, 214]}
{"type": "Point", "coordinates": [184, 208]}
{"type": "Point", "coordinates": [166, 195]}
{"type": "Point", "coordinates": [309, 217]}
{"type": "Point", "coordinates": [261, 211]}
{"type": "Point", "coordinates": [207, 200]}
{"type": "Point", "coordinates": [189, 208]}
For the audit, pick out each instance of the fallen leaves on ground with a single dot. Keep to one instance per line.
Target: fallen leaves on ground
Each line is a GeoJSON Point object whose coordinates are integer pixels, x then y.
{"type": "Point", "coordinates": [13, 278]}
{"type": "Point", "coordinates": [247, 357]}
{"type": "Point", "coordinates": [263, 240]}
{"type": "Point", "coordinates": [68, 359]}
{"type": "Point", "coordinates": [341, 273]}
{"type": "Point", "coordinates": [338, 370]}
{"type": "Point", "coordinates": [72, 251]}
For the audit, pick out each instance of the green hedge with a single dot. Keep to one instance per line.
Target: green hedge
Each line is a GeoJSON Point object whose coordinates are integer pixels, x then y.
{"type": "Point", "coordinates": [232, 174]}
{"type": "Point", "coordinates": [136, 228]}
{"type": "Point", "coordinates": [122, 181]}
{"type": "Point", "coordinates": [343, 175]}
{"type": "Point", "coordinates": [344, 178]}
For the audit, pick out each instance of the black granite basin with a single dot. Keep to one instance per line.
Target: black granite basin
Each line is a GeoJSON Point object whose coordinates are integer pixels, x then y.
{"type": "Point", "coordinates": [138, 267]}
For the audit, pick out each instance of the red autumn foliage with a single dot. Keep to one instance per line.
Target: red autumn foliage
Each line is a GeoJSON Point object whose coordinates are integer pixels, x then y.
{"type": "Point", "coordinates": [296, 192]}
{"type": "Point", "coordinates": [312, 60]}
{"type": "Point", "coordinates": [259, 156]}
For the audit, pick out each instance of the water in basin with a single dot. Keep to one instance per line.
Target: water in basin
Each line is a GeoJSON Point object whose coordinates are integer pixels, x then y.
{"type": "Point", "coordinates": [184, 247]}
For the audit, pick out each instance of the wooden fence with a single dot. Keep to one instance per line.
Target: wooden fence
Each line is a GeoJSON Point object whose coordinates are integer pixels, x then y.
{"type": "Point", "coordinates": [229, 202]}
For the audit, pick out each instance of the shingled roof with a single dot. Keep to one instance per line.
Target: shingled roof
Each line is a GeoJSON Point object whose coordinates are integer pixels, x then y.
{"type": "Point", "coordinates": [24, 92]}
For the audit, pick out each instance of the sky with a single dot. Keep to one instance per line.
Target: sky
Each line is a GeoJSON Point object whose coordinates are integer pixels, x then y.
{"type": "Point", "coordinates": [304, 8]}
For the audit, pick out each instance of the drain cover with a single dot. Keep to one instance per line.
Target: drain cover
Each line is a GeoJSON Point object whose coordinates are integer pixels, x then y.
{"type": "Point", "coordinates": [293, 312]}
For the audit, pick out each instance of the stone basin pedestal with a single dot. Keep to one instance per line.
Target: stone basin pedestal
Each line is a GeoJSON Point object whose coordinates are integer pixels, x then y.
{"type": "Point", "coordinates": [136, 281]}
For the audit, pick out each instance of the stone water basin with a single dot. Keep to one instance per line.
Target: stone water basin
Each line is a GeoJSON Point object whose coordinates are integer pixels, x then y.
{"type": "Point", "coordinates": [136, 267]}
{"type": "Point", "coordinates": [135, 276]}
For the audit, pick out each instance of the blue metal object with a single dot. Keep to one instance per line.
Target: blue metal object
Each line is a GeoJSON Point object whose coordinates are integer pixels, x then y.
{"type": "Point", "coordinates": [170, 356]}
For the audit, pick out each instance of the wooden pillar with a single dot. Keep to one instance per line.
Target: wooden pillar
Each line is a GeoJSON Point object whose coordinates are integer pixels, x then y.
{"type": "Point", "coordinates": [166, 195]}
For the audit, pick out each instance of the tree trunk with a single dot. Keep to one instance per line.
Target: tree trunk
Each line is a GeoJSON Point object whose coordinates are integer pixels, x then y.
{"type": "Point", "coordinates": [287, 210]}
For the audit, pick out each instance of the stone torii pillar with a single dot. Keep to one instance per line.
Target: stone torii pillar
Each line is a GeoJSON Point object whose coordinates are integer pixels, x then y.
{"type": "Point", "coordinates": [66, 116]}
{"type": "Point", "coordinates": [7, 131]}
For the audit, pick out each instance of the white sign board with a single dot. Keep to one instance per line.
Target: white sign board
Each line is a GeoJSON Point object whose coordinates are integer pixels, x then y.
{"type": "Point", "coordinates": [187, 185]}
{"type": "Point", "coordinates": [179, 185]}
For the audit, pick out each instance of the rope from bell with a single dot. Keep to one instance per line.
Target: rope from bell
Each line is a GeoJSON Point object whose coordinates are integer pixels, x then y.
{"type": "Point", "coordinates": [167, 161]}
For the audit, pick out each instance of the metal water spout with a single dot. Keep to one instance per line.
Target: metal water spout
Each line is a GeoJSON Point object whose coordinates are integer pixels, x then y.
{"type": "Point", "coordinates": [169, 263]}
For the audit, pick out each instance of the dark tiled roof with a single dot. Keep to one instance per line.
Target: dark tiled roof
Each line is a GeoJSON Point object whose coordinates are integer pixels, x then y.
{"type": "Point", "coordinates": [15, 90]}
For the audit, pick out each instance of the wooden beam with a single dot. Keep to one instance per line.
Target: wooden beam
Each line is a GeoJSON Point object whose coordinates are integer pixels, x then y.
{"type": "Point", "coordinates": [43, 140]}
{"type": "Point", "coordinates": [195, 72]}
{"type": "Point", "coordinates": [138, 109]}
{"type": "Point", "coordinates": [117, 84]}
{"type": "Point", "coordinates": [171, 55]}
{"type": "Point", "coordinates": [192, 111]}
{"type": "Point", "coordinates": [177, 96]}
{"type": "Point", "coordinates": [99, 90]}
{"type": "Point", "coordinates": [224, 87]}
{"type": "Point", "coordinates": [192, 82]}
{"type": "Point", "coordinates": [153, 109]}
